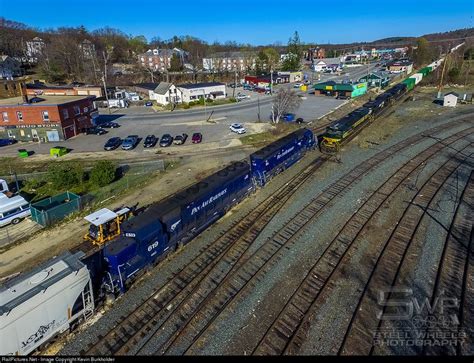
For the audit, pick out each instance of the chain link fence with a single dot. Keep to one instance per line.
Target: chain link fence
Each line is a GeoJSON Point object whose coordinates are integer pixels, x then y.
{"type": "Point", "coordinates": [130, 175]}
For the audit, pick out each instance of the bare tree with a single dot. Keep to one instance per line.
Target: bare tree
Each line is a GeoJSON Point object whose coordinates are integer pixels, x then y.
{"type": "Point", "coordinates": [285, 100]}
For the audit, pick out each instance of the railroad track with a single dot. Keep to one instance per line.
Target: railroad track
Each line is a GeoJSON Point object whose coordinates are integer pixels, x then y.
{"type": "Point", "coordinates": [288, 331]}
{"type": "Point", "coordinates": [359, 335]}
{"type": "Point", "coordinates": [227, 249]}
{"type": "Point", "coordinates": [451, 276]}
{"type": "Point", "coordinates": [132, 328]}
{"type": "Point", "coordinates": [186, 328]}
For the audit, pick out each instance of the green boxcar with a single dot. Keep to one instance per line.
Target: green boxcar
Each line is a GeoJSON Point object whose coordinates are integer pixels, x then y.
{"type": "Point", "coordinates": [53, 209]}
{"type": "Point", "coordinates": [425, 71]}
{"type": "Point", "coordinates": [410, 82]}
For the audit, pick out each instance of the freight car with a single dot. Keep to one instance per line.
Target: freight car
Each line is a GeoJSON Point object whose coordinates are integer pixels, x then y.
{"type": "Point", "coordinates": [280, 155]}
{"type": "Point", "coordinates": [173, 222]}
{"type": "Point", "coordinates": [43, 303]}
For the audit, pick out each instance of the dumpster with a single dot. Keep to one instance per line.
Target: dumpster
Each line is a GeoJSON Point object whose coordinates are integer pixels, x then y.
{"type": "Point", "coordinates": [50, 210]}
{"type": "Point", "coordinates": [22, 153]}
{"type": "Point", "coordinates": [58, 151]}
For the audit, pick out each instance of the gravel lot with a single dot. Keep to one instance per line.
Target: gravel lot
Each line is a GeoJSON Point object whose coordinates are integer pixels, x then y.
{"type": "Point", "coordinates": [238, 329]}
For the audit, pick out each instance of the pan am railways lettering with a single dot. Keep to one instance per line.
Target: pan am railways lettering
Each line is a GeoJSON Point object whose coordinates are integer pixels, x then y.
{"type": "Point", "coordinates": [209, 201]}
{"type": "Point", "coordinates": [285, 152]}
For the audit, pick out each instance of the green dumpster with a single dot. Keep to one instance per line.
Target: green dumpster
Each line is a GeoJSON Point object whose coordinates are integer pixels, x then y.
{"type": "Point", "coordinates": [58, 151]}
{"type": "Point", "coordinates": [22, 153]}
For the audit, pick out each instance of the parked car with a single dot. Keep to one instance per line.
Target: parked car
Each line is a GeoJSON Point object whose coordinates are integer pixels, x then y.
{"type": "Point", "coordinates": [5, 142]}
{"type": "Point", "coordinates": [110, 125]}
{"type": "Point", "coordinates": [130, 142]}
{"type": "Point", "coordinates": [288, 117]}
{"type": "Point", "coordinates": [197, 138]}
{"type": "Point", "coordinates": [241, 97]}
{"type": "Point", "coordinates": [166, 140]}
{"type": "Point", "coordinates": [96, 131]}
{"type": "Point", "coordinates": [150, 141]}
{"type": "Point", "coordinates": [238, 128]}
{"type": "Point", "coordinates": [148, 104]}
{"type": "Point", "coordinates": [299, 120]}
{"type": "Point", "coordinates": [297, 85]}
{"type": "Point", "coordinates": [112, 143]}
{"type": "Point", "coordinates": [180, 139]}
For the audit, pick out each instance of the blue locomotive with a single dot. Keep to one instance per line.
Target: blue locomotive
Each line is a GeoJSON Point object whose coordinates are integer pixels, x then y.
{"type": "Point", "coordinates": [173, 222]}
{"type": "Point", "coordinates": [280, 155]}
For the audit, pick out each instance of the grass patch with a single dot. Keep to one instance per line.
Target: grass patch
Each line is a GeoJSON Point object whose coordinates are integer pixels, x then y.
{"type": "Point", "coordinates": [267, 137]}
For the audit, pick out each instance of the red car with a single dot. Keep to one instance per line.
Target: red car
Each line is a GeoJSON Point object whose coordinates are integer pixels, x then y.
{"type": "Point", "coordinates": [197, 138]}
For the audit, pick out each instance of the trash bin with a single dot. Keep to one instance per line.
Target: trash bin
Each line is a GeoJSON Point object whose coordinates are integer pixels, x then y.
{"type": "Point", "coordinates": [58, 151]}
{"type": "Point", "coordinates": [22, 153]}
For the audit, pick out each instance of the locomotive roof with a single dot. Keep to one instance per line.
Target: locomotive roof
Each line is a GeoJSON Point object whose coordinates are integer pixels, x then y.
{"type": "Point", "coordinates": [23, 287]}
{"type": "Point", "coordinates": [186, 196]}
{"type": "Point", "coordinates": [272, 148]}
{"type": "Point", "coordinates": [348, 120]}
{"type": "Point", "coordinates": [119, 244]}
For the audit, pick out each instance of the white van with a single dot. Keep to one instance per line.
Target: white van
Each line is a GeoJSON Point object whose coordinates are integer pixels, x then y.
{"type": "Point", "coordinates": [13, 210]}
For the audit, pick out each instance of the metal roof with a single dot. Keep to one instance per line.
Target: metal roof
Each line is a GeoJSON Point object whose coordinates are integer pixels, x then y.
{"type": "Point", "coordinates": [23, 287]}
{"type": "Point", "coordinates": [200, 85]}
{"type": "Point", "coordinates": [100, 217]}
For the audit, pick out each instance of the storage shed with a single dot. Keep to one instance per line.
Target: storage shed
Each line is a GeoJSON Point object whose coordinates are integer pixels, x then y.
{"type": "Point", "coordinates": [53, 209]}
{"type": "Point", "coordinates": [450, 99]}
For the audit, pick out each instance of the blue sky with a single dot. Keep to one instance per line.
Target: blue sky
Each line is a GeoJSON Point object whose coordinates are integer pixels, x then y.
{"type": "Point", "coordinates": [246, 21]}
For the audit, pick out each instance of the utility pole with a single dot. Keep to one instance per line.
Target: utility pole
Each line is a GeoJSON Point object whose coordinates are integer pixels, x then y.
{"type": "Point", "coordinates": [104, 80]}
{"type": "Point", "coordinates": [258, 105]}
{"type": "Point", "coordinates": [271, 81]}
{"type": "Point", "coordinates": [235, 83]}
{"type": "Point", "coordinates": [205, 108]}
{"type": "Point", "coordinates": [442, 72]}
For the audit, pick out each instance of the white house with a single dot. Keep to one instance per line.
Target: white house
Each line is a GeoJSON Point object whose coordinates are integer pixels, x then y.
{"type": "Point", "coordinates": [321, 64]}
{"type": "Point", "coordinates": [450, 99]}
{"type": "Point", "coordinates": [211, 90]}
{"type": "Point", "coordinates": [166, 93]}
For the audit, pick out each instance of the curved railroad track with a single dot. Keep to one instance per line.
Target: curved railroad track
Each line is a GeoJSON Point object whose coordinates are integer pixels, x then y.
{"type": "Point", "coordinates": [199, 315]}
{"type": "Point", "coordinates": [196, 284]}
{"type": "Point", "coordinates": [227, 248]}
{"type": "Point", "coordinates": [287, 333]}
{"type": "Point", "coordinates": [359, 335]}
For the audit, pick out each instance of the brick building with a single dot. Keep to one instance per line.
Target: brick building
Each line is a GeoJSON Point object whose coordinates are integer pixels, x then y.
{"type": "Point", "coordinates": [10, 88]}
{"type": "Point", "coordinates": [160, 59]}
{"type": "Point", "coordinates": [41, 89]}
{"type": "Point", "coordinates": [45, 118]}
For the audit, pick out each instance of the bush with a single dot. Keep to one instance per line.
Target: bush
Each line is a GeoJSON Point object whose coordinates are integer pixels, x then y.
{"type": "Point", "coordinates": [103, 173]}
{"type": "Point", "coordinates": [65, 174]}
{"type": "Point", "coordinates": [191, 103]}
{"type": "Point", "coordinates": [209, 100]}
{"type": "Point", "coordinates": [232, 100]}
{"type": "Point", "coordinates": [201, 102]}
{"type": "Point", "coordinates": [186, 106]}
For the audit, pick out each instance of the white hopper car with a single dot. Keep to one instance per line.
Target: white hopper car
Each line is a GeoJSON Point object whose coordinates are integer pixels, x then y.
{"type": "Point", "coordinates": [36, 306]}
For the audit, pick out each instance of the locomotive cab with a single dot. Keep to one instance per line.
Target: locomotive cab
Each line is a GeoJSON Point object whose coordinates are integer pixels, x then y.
{"type": "Point", "coordinates": [105, 225]}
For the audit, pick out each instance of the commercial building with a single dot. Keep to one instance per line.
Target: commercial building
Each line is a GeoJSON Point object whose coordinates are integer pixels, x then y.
{"type": "Point", "coordinates": [314, 53]}
{"type": "Point", "coordinates": [376, 79]}
{"type": "Point", "coordinates": [46, 118]}
{"type": "Point", "coordinates": [11, 88]}
{"type": "Point", "coordinates": [34, 49]}
{"type": "Point", "coordinates": [211, 90]}
{"type": "Point", "coordinates": [399, 66]}
{"type": "Point", "coordinates": [343, 90]}
{"type": "Point", "coordinates": [41, 89]}
{"type": "Point", "coordinates": [264, 80]}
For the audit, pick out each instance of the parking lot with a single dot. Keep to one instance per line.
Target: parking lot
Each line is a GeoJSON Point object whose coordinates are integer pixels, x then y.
{"type": "Point", "coordinates": [217, 131]}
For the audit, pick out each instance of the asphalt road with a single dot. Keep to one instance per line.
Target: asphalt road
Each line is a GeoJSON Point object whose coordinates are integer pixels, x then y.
{"type": "Point", "coordinates": [143, 121]}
